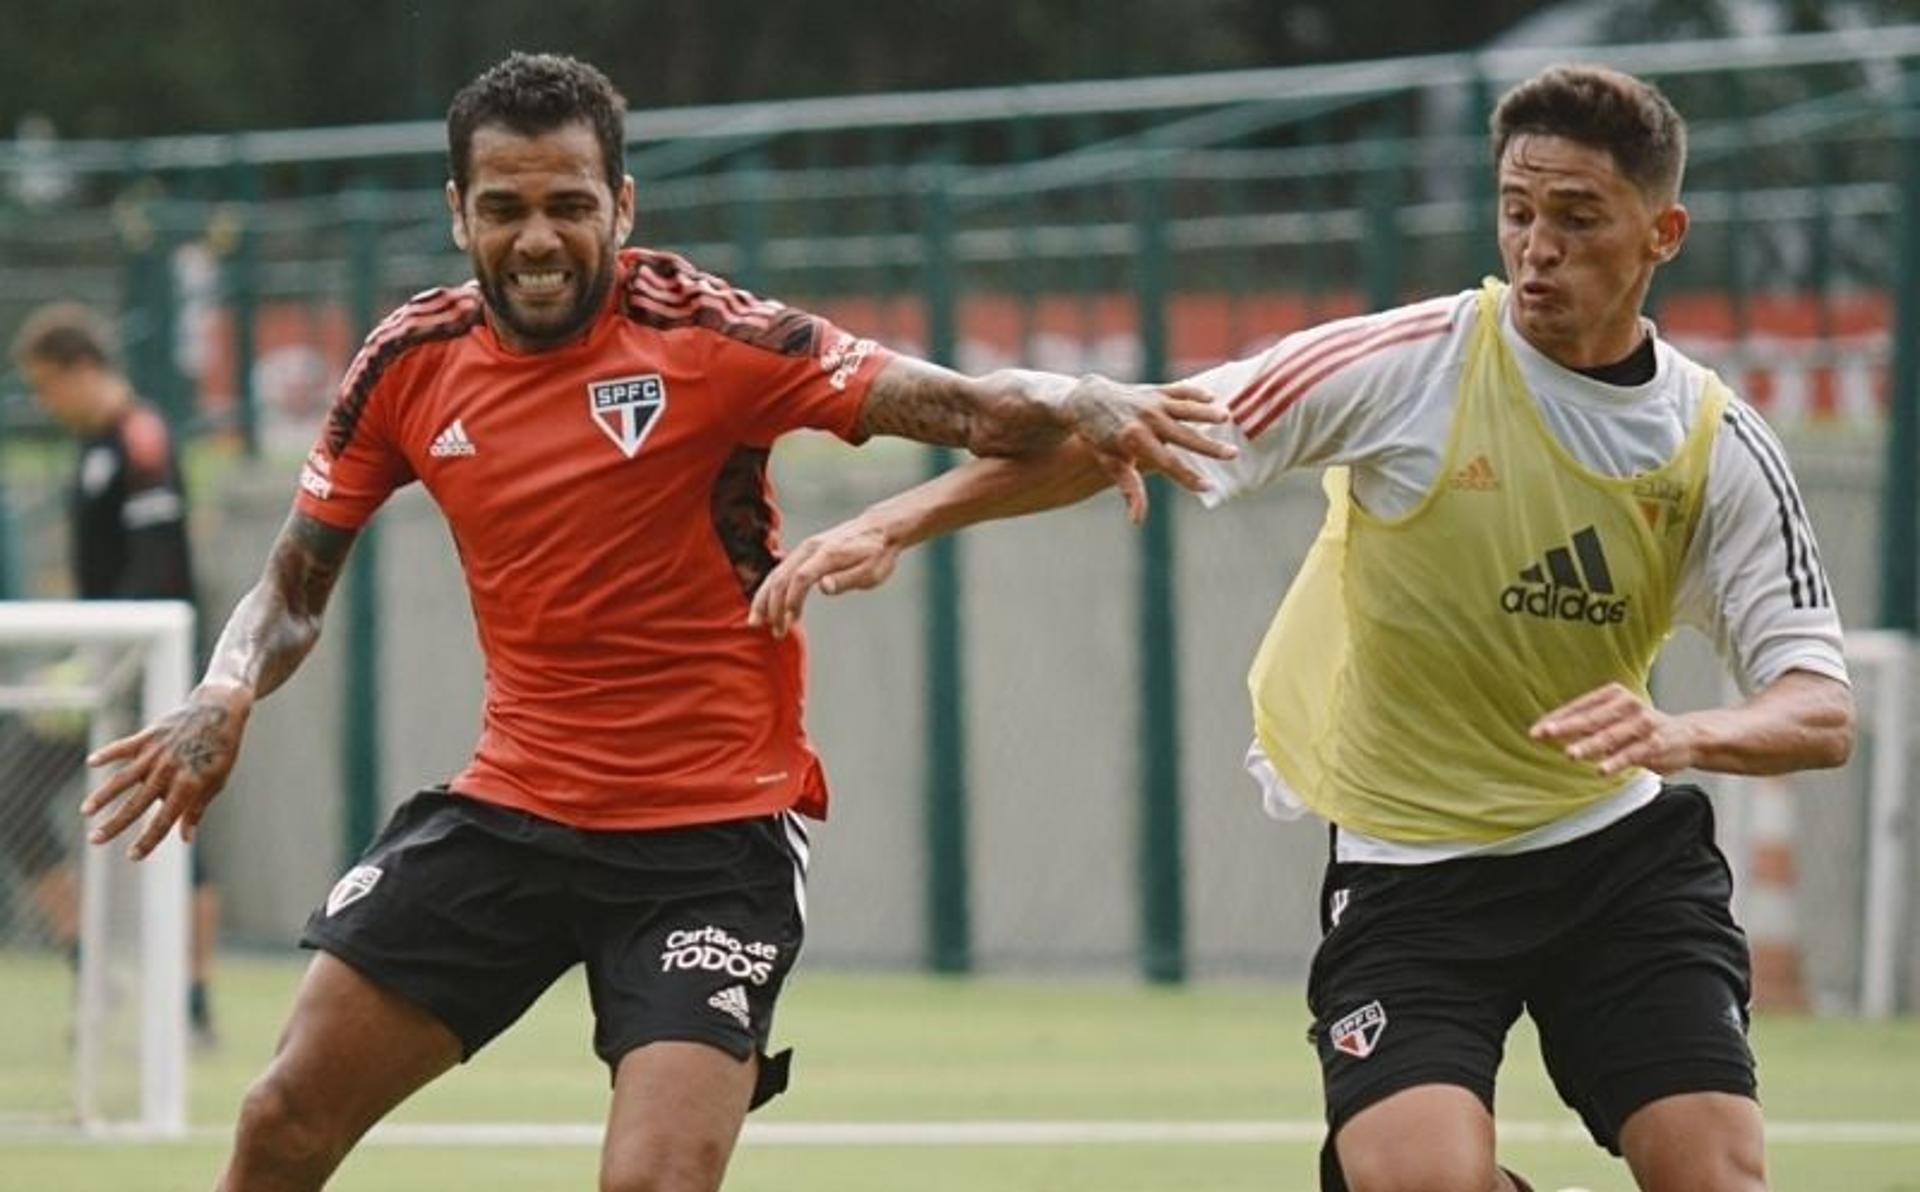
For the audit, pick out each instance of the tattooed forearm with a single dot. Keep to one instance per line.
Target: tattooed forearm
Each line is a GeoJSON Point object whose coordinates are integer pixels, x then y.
{"type": "Point", "coordinates": [1003, 413]}
{"type": "Point", "coordinates": [277, 623]}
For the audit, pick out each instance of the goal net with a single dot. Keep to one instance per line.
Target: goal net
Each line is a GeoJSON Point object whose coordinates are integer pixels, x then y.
{"type": "Point", "coordinates": [93, 948]}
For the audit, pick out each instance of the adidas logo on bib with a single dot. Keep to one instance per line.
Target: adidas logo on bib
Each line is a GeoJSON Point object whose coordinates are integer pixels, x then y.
{"type": "Point", "coordinates": [1568, 585]}
{"type": "Point", "coordinates": [1478, 477]}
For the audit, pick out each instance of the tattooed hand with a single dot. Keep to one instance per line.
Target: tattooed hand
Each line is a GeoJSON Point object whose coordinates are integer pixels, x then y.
{"type": "Point", "coordinates": [175, 767]}
{"type": "Point", "coordinates": [1016, 412]}
{"type": "Point", "coordinates": [1131, 427]}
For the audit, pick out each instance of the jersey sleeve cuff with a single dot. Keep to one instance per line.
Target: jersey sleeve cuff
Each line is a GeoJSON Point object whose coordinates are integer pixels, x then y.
{"type": "Point", "coordinates": [876, 358]}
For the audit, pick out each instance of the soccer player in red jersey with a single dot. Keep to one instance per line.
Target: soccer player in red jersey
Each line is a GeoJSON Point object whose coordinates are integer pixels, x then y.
{"type": "Point", "coordinates": [594, 422]}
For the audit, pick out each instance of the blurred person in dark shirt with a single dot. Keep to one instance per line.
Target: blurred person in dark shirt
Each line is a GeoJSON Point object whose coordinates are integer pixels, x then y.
{"type": "Point", "coordinates": [129, 531]}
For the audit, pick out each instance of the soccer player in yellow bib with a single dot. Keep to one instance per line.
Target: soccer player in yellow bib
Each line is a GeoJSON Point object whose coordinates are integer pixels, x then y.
{"type": "Point", "coordinates": [1528, 489]}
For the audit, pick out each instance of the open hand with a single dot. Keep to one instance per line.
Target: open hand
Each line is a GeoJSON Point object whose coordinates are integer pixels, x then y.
{"type": "Point", "coordinates": [1615, 730]}
{"type": "Point", "coordinates": [852, 555]}
{"type": "Point", "coordinates": [174, 766]}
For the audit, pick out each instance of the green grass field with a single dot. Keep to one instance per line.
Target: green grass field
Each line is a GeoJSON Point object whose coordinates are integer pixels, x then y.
{"type": "Point", "coordinates": [907, 1050]}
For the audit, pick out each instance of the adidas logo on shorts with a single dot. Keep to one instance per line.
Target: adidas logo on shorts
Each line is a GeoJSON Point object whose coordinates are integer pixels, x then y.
{"type": "Point", "coordinates": [732, 1001]}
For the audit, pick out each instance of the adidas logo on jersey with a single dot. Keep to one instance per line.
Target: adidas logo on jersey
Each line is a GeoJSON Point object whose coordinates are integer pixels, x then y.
{"type": "Point", "coordinates": [1569, 585]}
{"type": "Point", "coordinates": [732, 1001]}
{"type": "Point", "coordinates": [452, 441]}
{"type": "Point", "coordinates": [1478, 476]}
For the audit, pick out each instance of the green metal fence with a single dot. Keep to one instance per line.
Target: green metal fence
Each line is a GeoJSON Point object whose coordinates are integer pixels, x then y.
{"type": "Point", "coordinates": [1145, 228]}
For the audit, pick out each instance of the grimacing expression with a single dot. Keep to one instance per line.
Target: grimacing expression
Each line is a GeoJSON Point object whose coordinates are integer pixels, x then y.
{"type": "Point", "coordinates": [541, 227]}
{"type": "Point", "coordinates": [1580, 241]}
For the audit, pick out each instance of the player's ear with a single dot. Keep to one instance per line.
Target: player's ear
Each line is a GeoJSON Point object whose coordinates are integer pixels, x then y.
{"type": "Point", "coordinates": [623, 211]}
{"type": "Point", "coordinates": [459, 216]}
{"type": "Point", "coordinates": [1669, 232]}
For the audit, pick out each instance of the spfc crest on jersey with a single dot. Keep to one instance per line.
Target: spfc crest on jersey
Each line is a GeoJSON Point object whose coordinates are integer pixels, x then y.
{"type": "Point", "coordinates": [627, 407]}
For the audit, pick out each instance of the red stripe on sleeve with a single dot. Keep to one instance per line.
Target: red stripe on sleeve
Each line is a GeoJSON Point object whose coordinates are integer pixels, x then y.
{"type": "Point", "coordinates": [1270, 395]}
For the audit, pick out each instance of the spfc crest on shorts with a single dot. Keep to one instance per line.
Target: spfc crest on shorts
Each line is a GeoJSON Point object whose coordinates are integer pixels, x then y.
{"type": "Point", "coordinates": [1359, 1032]}
{"type": "Point", "coordinates": [358, 883]}
{"type": "Point", "coordinates": [627, 407]}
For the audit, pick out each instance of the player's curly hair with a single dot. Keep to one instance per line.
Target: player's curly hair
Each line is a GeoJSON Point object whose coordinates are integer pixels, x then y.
{"type": "Point", "coordinates": [530, 94]}
{"type": "Point", "coordinates": [65, 335]}
{"type": "Point", "coordinates": [1607, 109]}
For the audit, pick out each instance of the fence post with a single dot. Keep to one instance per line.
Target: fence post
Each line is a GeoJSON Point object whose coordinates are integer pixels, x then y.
{"type": "Point", "coordinates": [949, 930]}
{"type": "Point", "coordinates": [1900, 514]}
{"type": "Point", "coordinates": [1739, 275]}
{"type": "Point", "coordinates": [9, 563]}
{"type": "Point", "coordinates": [243, 297]}
{"type": "Point", "coordinates": [1482, 178]}
{"type": "Point", "coordinates": [749, 212]}
{"type": "Point", "coordinates": [146, 323]}
{"type": "Point", "coordinates": [1158, 845]}
{"type": "Point", "coordinates": [360, 762]}
{"type": "Point", "coordinates": [1380, 249]}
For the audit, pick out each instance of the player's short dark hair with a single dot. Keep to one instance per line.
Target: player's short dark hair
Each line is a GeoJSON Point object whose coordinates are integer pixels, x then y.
{"type": "Point", "coordinates": [531, 94]}
{"type": "Point", "coordinates": [1606, 109]}
{"type": "Point", "coordinates": [64, 334]}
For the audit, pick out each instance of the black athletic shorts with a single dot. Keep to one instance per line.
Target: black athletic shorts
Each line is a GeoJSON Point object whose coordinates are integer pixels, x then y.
{"type": "Point", "coordinates": [1620, 945]}
{"type": "Point", "coordinates": [471, 910]}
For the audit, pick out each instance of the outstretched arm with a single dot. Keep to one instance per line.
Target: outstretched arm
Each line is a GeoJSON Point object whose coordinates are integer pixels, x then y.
{"type": "Point", "coordinates": [1017, 412]}
{"type": "Point", "coordinates": [181, 761]}
{"type": "Point", "coordinates": [1800, 721]}
{"type": "Point", "coordinates": [861, 552]}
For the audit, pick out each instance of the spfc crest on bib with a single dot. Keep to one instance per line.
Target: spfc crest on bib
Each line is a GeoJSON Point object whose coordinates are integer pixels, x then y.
{"type": "Point", "coordinates": [627, 407]}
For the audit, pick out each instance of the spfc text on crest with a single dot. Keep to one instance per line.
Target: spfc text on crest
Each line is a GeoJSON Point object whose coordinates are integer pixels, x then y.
{"type": "Point", "coordinates": [627, 407]}
{"type": "Point", "coordinates": [1359, 1032]}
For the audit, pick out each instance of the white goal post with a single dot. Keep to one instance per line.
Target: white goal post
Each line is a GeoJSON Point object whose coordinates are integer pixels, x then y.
{"type": "Point", "coordinates": [1889, 655]}
{"type": "Point", "coordinates": [126, 662]}
{"type": "Point", "coordinates": [1881, 663]}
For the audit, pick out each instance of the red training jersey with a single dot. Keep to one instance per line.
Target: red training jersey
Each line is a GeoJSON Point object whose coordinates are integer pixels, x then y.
{"type": "Point", "coordinates": [610, 503]}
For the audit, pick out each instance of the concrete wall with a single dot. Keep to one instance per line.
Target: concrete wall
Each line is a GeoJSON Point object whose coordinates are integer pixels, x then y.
{"type": "Point", "coordinates": [1049, 611]}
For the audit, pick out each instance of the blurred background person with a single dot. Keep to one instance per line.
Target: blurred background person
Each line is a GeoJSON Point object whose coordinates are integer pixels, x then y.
{"type": "Point", "coordinates": [128, 516]}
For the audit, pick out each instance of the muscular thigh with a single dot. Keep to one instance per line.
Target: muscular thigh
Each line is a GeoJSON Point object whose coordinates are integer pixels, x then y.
{"type": "Point", "coordinates": [352, 1050]}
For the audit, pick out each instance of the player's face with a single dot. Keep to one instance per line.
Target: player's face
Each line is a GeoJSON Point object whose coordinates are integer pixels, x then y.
{"type": "Point", "coordinates": [61, 392]}
{"type": "Point", "coordinates": [1580, 242]}
{"type": "Point", "coordinates": [541, 226]}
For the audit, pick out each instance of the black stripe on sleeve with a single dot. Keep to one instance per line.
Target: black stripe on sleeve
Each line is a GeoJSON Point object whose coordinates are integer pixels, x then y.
{"type": "Point", "coordinates": [403, 331]}
{"type": "Point", "coordinates": [1821, 593]}
{"type": "Point", "coordinates": [1746, 437]}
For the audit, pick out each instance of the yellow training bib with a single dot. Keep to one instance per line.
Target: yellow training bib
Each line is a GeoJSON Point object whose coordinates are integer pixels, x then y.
{"type": "Point", "coordinates": [1396, 685]}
